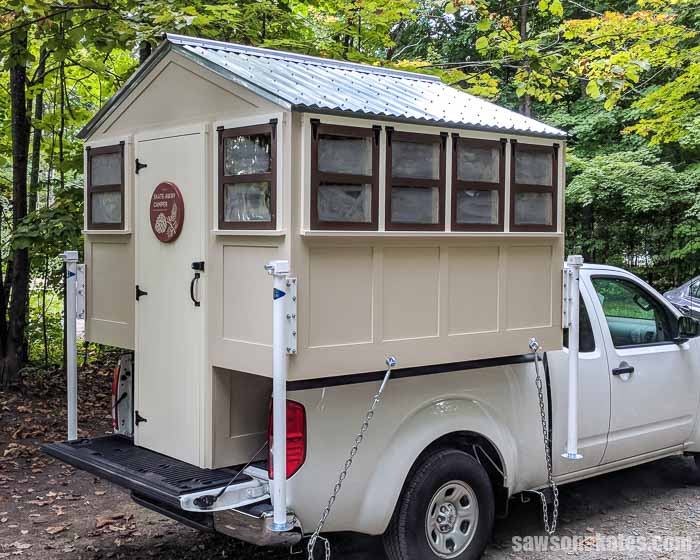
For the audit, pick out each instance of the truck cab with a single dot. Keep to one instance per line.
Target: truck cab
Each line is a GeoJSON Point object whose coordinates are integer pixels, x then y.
{"type": "Point", "coordinates": [639, 383]}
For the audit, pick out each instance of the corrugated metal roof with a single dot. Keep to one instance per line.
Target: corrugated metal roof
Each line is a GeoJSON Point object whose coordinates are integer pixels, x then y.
{"type": "Point", "coordinates": [307, 83]}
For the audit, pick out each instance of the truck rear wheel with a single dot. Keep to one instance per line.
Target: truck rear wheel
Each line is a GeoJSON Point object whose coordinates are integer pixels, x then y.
{"type": "Point", "coordinates": [446, 510]}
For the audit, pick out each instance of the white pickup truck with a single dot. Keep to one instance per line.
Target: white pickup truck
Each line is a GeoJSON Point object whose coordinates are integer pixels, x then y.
{"type": "Point", "coordinates": [450, 445]}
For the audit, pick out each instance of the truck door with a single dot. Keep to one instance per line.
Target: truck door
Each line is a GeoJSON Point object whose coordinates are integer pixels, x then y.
{"type": "Point", "coordinates": [654, 390]}
{"type": "Point", "coordinates": [594, 394]}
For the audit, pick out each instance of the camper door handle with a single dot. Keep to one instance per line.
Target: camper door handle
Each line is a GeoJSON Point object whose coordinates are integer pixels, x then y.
{"type": "Point", "coordinates": [140, 292]}
{"type": "Point", "coordinates": [195, 279]}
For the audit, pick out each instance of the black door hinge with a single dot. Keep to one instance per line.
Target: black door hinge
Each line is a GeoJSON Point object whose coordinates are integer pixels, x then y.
{"type": "Point", "coordinates": [140, 292]}
{"type": "Point", "coordinates": [139, 166]}
{"type": "Point", "coordinates": [138, 418]}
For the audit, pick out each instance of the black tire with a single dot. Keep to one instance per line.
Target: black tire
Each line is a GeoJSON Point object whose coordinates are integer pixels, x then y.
{"type": "Point", "coordinates": [697, 461]}
{"type": "Point", "coordinates": [406, 537]}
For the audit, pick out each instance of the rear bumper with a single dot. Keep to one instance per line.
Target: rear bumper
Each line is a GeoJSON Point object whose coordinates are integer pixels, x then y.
{"type": "Point", "coordinates": [253, 524]}
{"type": "Point", "coordinates": [171, 487]}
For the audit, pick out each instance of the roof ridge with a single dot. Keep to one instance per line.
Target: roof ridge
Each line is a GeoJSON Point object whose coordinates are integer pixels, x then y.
{"type": "Point", "coordinates": [296, 57]}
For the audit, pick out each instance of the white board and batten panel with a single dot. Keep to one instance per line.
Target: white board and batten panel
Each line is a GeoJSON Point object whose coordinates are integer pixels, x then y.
{"type": "Point", "coordinates": [241, 321]}
{"type": "Point", "coordinates": [109, 271]}
{"type": "Point", "coordinates": [425, 301]}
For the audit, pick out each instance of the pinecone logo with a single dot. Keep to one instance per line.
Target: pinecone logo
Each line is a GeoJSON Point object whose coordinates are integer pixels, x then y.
{"type": "Point", "coordinates": [161, 224]}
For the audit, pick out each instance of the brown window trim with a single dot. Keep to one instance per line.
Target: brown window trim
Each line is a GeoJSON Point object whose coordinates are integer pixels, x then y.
{"type": "Point", "coordinates": [270, 176]}
{"type": "Point", "coordinates": [114, 149]}
{"type": "Point", "coordinates": [459, 185]}
{"type": "Point", "coordinates": [318, 177]}
{"type": "Point", "coordinates": [516, 188]}
{"type": "Point", "coordinates": [392, 181]}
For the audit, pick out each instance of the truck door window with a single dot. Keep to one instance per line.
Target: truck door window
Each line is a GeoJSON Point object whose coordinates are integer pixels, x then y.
{"type": "Point", "coordinates": [634, 316]}
{"type": "Point", "coordinates": [586, 340]}
{"type": "Point", "coordinates": [694, 290]}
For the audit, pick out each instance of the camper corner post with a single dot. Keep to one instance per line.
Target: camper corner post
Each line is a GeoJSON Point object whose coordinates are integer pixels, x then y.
{"type": "Point", "coordinates": [572, 274]}
{"type": "Point", "coordinates": [71, 260]}
{"type": "Point", "coordinates": [279, 269]}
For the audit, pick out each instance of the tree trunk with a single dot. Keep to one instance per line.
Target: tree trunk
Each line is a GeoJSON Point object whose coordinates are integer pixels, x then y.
{"type": "Point", "coordinates": [36, 139]}
{"type": "Point", "coordinates": [12, 345]}
{"type": "Point", "coordinates": [526, 100]}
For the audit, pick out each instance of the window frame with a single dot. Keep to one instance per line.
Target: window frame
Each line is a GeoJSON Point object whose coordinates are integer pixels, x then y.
{"type": "Point", "coordinates": [583, 311]}
{"type": "Point", "coordinates": [97, 151]}
{"type": "Point", "coordinates": [270, 176]}
{"type": "Point", "coordinates": [516, 188]}
{"type": "Point", "coordinates": [461, 185]}
{"type": "Point", "coordinates": [413, 182]}
{"type": "Point", "coordinates": [317, 177]}
{"type": "Point", "coordinates": [671, 318]}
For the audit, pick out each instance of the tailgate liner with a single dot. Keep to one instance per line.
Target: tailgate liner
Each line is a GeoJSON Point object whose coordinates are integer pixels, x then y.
{"type": "Point", "coordinates": [159, 477]}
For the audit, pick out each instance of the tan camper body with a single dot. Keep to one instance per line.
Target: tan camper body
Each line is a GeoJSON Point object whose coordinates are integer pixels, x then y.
{"type": "Point", "coordinates": [444, 291]}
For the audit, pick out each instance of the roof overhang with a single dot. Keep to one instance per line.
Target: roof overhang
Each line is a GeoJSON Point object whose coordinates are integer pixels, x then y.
{"type": "Point", "coordinates": [425, 122]}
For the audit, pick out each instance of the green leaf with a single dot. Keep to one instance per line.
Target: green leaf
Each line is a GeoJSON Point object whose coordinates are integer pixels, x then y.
{"type": "Point", "coordinates": [556, 8]}
{"type": "Point", "coordinates": [483, 25]}
{"type": "Point", "coordinates": [482, 44]}
{"type": "Point", "coordinates": [592, 89]}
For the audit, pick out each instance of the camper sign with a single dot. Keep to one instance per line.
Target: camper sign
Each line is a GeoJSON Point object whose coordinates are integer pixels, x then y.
{"type": "Point", "coordinates": [167, 212]}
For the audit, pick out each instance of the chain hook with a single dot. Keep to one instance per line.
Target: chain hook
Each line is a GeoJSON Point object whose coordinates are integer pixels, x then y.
{"type": "Point", "coordinates": [390, 364]}
{"type": "Point", "coordinates": [549, 529]}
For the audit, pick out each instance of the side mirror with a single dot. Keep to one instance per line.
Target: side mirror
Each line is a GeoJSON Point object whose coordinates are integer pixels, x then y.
{"type": "Point", "coordinates": [687, 328]}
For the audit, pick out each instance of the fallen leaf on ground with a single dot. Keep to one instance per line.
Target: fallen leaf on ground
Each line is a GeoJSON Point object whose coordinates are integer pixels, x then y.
{"type": "Point", "coordinates": [103, 521]}
{"type": "Point", "coordinates": [56, 529]}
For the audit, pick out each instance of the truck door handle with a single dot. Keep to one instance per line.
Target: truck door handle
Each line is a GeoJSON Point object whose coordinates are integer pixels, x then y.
{"type": "Point", "coordinates": [623, 369]}
{"type": "Point", "coordinates": [195, 279]}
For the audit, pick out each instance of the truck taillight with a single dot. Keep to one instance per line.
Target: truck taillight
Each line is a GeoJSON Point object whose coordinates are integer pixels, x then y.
{"type": "Point", "coordinates": [296, 438]}
{"type": "Point", "coordinates": [115, 390]}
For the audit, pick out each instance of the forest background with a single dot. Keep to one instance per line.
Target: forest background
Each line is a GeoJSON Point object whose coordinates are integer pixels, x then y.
{"type": "Point", "coordinates": [622, 77]}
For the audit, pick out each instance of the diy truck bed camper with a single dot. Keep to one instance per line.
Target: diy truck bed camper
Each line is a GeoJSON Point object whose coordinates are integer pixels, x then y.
{"type": "Point", "coordinates": [394, 216]}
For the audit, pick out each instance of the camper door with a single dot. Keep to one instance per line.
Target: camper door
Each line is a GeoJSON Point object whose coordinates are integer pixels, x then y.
{"type": "Point", "coordinates": [170, 248]}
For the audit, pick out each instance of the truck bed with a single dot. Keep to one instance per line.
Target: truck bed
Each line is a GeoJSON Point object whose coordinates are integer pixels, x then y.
{"type": "Point", "coordinates": [144, 472]}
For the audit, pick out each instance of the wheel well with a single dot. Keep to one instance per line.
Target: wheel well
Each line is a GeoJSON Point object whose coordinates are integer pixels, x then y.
{"type": "Point", "coordinates": [484, 451]}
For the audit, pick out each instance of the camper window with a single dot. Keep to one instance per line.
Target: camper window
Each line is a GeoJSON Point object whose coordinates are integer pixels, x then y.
{"type": "Point", "coordinates": [344, 177]}
{"type": "Point", "coordinates": [478, 184]}
{"type": "Point", "coordinates": [415, 187]}
{"type": "Point", "coordinates": [105, 187]}
{"type": "Point", "coordinates": [247, 189]}
{"type": "Point", "coordinates": [533, 188]}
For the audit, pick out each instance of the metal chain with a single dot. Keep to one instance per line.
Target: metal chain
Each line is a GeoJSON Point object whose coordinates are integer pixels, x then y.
{"type": "Point", "coordinates": [391, 363]}
{"type": "Point", "coordinates": [549, 529]}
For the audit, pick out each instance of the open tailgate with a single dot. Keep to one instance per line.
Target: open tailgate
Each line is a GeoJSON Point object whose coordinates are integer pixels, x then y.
{"type": "Point", "coordinates": [145, 473]}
